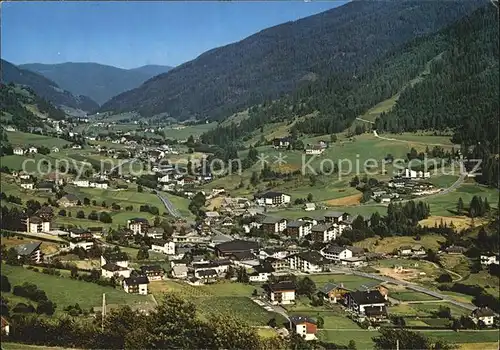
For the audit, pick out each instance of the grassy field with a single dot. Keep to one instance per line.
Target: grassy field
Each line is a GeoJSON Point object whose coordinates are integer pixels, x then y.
{"type": "Point", "coordinates": [18, 346]}
{"type": "Point", "coordinates": [425, 309]}
{"type": "Point", "coordinates": [220, 298]}
{"type": "Point", "coordinates": [349, 281]}
{"type": "Point", "coordinates": [17, 138]}
{"type": "Point", "coordinates": [363, 338]}
{"type": "Point", "coordinates": [446, 204]}
{"type": "Point", "coordinates": [390, 244]}
{"type": "Point", "coordinates": [411, 296]}
{"type": "Point", "coordinates": [483, 279]}
{"type": "Point", "coordinates": [65, 291]}
{"type": "Point", "coordinates": [46, 247]}
{"type": "Point", "coordinates": [185, 132]}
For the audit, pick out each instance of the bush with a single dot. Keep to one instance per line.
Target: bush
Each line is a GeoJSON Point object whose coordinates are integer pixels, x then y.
{"type": "Point", "coordinates": [23, 308]}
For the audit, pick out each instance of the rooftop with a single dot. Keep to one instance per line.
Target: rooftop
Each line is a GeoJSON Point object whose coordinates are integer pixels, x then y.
{"type": "Point", "coordinates": [368, 297]}
{"type": "Point", "coordinates": [270, 194]}
{"type": "Point", "coordinates": [237, 245]}
{"type": "Point", "coordinates": [283, 285]}
{"type": "Point", "coordinates": [28, 248]}
{"type": "Point", "coordinates": [136, 280]}
{"type": "Point", "coordinates": [151, 268]}
{"type": "Point", "coordinates": [112, 267]}
{"type": "Point", "coordinates": [296, 319]}
{"type": "Point", "coordinates": [207, 273]}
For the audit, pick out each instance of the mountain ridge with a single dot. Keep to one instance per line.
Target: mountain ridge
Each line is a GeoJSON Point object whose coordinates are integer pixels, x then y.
{"type": "Point", "coordinates": [277, 60]}
{"type": "Point", "coordinates": [45, 87]}
{"type": "Point", "coordinates": [98, 81]}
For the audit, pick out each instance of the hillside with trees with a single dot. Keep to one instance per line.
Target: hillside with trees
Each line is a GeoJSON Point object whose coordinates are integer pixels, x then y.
{"type": "Point", "coordinates": [332, 46]}
{"type": "Point", "coordinates": [98, 81]}
{"type": "Point", "coordinates": [45, 88]}
{"type": "Point", "coordinates": [460, 93]}
{"type": "Point", "coordinates": [14, 101]}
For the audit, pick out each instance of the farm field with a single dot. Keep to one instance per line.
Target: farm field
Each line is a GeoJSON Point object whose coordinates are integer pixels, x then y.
{"type": "Point", "coordinates": [411, 296]}
{"type": "Point", "coordinates": [425, 309]}
{"type": "Point", "coordinates": [46, 247]}
{"type": "Point", "coordinates": [363, 338]}
{"type": "Point", "coordinates": [445, 205]}
{"type": "Point", "coordinates": [19, 346]}
{"type": "Point", "coordinates": [230, 298]}
{"type": "Point", "coordinates": [18, 138]}
{"type": "Point", "coordinates": [65, 291]}
{"type": "Point", "coordinates": [186, 131]}
{"type": "Point", "coordinates": [390, 244]}
{"type": "Point", "coordinates": [483, 279]}
{"type": "Point", "coordinates": [349, 281]}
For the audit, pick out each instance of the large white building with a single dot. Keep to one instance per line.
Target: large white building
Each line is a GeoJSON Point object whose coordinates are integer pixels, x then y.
{"type": "Point", "coordinates": [163, 246]}
{"type": "Point", "coordinates": [272, 199]}
{"type": "Point", "coordinates": [282, 293]}
{"type": "Point", "coordinates": [36, 224]}
{"type": "Point", "coordinates": [489, 259]}
{"type": "Point", "coordinates": [336, 253]}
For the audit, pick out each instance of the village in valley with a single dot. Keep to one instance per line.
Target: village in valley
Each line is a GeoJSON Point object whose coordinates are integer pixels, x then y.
{"type": "Point", "coordinates": [225, 209]}
{"type": "Point", "coordinates": [295, 266]}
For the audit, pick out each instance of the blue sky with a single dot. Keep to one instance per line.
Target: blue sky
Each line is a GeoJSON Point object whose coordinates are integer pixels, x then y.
{"type": "Point", "coordinates": [132, 34]}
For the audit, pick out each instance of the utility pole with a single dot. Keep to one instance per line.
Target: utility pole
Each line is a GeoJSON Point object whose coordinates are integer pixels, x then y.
{"type": "Point", "coordinates": [397, 344]}
{"type": "Point", "coordinates": [103, 313]}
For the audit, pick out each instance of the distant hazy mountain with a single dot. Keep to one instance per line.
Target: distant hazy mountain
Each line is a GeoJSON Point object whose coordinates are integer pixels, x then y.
{"type": "Point", "coordinates": [340, 42]}
{"type": "Point", "coordinates": [151, 70]}
{"type": "Point", "coordinates": [45, 88]}
{"type": "Point", "coordinates": [98, 81]}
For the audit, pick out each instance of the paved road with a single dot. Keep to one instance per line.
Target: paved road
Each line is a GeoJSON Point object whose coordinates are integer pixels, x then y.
{"type": "Point", "coordinates": [408, 285]}
{"type": "Point", "coordinates": [405, 141]}
{"type": "Point", "coordinates": [169, 206]}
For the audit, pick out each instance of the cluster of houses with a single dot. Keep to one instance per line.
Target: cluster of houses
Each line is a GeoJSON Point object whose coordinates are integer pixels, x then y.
{"type": "Point", "coordinates": [408, 183]}
{"type": "Point", "coordinates": [21, 151]}
{"type": "Point", "coordinates": [319, 229]}
{"type": "Point", "coordinates": [27, 182]}
{"type": "Point", "coordinates": [116, 264]}
{"type": "Point", "coordinates": [99, 181]}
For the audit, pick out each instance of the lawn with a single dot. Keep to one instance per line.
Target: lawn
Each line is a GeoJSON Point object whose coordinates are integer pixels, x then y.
{"type": "Point", "coordinates": [65, 291]}
{"type": "Point", "coordinates": [220, 298]}
{"type": "Point", "coordinates": [349, 281]}
{"type": "Point", "coordinates": [390, 244]}
{"type": "Point", "coordinates": [411, 296]}
{"type": "Point", "coordinates": [430, 308]}
{"type": "Point", "coordinates": [362, 337]}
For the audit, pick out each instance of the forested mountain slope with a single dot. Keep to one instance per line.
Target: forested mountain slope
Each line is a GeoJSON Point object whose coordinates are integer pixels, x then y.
{"type": "Point", "coordinates": [341, 42]}
{"type": "Point", "coordinates": [100, 82]}
{"type": "Point", "coordinates": [14, 108]}
{"type": "Point", "coordinates": [45, 88]}
{"type": "Point", "coordinates": [461, 92]}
